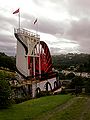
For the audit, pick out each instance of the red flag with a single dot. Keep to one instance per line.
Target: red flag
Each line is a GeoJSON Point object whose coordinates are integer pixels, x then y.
{"type": "Point", "coordinates": [35, 21]}
{"type": "Point", "coordinates": [16, 11]}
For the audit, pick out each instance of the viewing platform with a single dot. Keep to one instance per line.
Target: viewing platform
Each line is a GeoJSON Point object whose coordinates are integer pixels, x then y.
{"type": "Point", "coordinates": [26, 32]}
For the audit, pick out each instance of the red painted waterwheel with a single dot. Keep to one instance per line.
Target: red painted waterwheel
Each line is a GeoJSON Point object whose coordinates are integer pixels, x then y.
{"type": "Point", "coordinates": [45, 59]}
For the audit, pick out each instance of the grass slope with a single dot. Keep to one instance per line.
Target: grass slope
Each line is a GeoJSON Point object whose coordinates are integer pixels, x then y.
{"type": "Point", "coordinates": [33, 109]}
{"type": "Point", "coordinates": [58, 107]}
{"type": "Point", "coordinates": [77, 109]}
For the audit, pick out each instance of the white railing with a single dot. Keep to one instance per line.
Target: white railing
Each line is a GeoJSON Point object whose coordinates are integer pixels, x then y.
{"type": "Point", "coordinates": [26, 32]}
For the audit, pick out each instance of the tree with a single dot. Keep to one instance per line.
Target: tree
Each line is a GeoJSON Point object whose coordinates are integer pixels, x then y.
{"type": "Point", "coordinates": [7, 62]}
{"type": "Point", "coordinates": [77, 81]}
{"type": "Point", "coordinates": [87, 86]}
{"type": "Point", "coordinates": [5, 92]}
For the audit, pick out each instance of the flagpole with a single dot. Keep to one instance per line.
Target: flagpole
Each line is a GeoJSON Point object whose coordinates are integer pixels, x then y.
{"type": "Point", "coordinates": [36, 21]}
{"type": "Point", "coordinates": [39, 51]}
{"type": "Point", "coordinates": [19, 19]}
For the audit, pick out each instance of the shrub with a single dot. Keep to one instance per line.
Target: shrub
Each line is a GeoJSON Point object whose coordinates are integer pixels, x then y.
{"type": "Point", "coordinates": [43, 93]}
{"type": "Point", "coordinates": [5, 92]}
{"type": "Point", "coordinates": [87, 86]}
{"type": "Point", "coordinates": [77, 82]}
{"type": "Point", "coordinates": [22, 99]}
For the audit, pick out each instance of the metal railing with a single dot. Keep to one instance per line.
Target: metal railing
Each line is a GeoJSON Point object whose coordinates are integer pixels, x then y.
{"type": "Point", "coordinates": [26, 32]}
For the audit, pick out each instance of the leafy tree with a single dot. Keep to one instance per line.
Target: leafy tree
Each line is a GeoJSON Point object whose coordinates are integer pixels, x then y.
{"type": "Point", "coordinates": [7, 62]}
{"type": "Point", "coordinates": [5, 92]}
{"type": "Point", "coordinates": [79, 61]}
{"type": "Point", "coordinates": [88, 65]}
{"type": "Point", "coordinates": [77, 82]}
{"type": "Point", "coordinates": [87, 86]}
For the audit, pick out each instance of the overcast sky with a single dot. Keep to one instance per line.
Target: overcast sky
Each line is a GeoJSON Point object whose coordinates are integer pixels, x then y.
{"type": "Point", "coordinates": [63, 24]}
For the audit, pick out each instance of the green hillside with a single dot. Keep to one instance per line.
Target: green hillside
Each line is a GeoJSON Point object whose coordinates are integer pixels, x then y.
{"type": "Point", "coordinates": [7, 62]}
{"type": "Point", "coordinates": [58, 107]}
{"type": "Point", "coordinates": [33, 109]}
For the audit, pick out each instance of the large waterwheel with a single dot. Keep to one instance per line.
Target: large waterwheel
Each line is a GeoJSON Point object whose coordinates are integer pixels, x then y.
{"type": "Point", "coordinates": [42, 50]}
{"type": "Point", "coordinates": [33, 56]}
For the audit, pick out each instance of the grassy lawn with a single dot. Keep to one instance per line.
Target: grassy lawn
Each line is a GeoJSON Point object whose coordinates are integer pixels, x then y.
{"type": "Point", "coordinates": [78, 110]}
{"type": "Point", "coordinates": [58, 107]}
{"type": "Point", "coordinates": [34, 109]}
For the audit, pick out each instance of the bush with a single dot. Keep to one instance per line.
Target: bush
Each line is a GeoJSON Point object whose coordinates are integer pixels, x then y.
{"type": "Point", "coordinates": [43, 93]}
{"type": "Point", "coordinates": [22, 99]}
{"type": "Point", "coordinates": [63, 91]}
{"type": "Point", "coordinates": [77, 81]}
{"type": "Point", "coordinates": [5, 92]}
{"type": "Point", "coordinates": [87, 86]}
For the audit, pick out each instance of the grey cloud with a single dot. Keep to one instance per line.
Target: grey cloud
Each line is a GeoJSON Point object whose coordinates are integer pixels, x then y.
{"type": "Point", "coordinates": [61, 41]}
{"type": "Point", "coordinates": [8, 49]}
{"type": "Point", "coordinates": [79, 8]}
{"type": "Point", "coordinates": [7, 24]}
{"type": "Point", "coordinates": [54, 50]}
{"type": "Point", "coordinates": [57, 51]}
{"type": "Point", "coordinates": [7, 39]}
{"type": "Point", "coordinates": [79, 3]}
{"type": "Point", "coordinates": [44, 25]}
{"type": "Point", "coordinates": [51, 27]}
{"type": "Point", "coordinates": [79, 30]}
{"type": "Point", "coordinates": [8, 44]}
{"type": "Point", "coordinates": [40, 2]}
{"type": "Point", "coordinates": [28, 17]}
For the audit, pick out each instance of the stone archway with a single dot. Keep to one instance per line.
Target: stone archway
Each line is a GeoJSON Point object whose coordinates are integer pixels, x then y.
{"type": "Point", "coordinates": [59, 83]}
{"type": "Point", "coordinates": [38, 90]}
{"type": "Point", "coordinates": [55, 85]}
{"type": "Point", "coordinates": [48, 85]}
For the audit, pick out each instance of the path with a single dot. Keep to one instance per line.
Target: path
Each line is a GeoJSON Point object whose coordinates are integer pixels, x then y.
{"type": "Point", "coordinates": [85, 109]}
{"type": "Point", "coordinates": [59, 108]}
